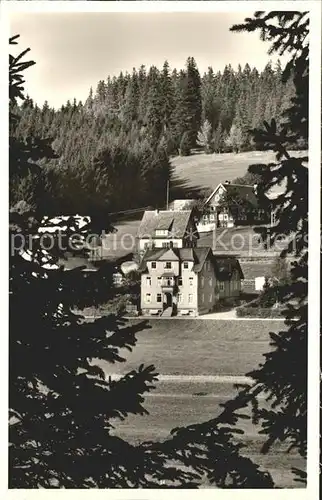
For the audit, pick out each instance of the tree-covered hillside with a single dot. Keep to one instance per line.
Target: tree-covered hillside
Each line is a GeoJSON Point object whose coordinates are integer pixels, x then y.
{"type": "Point", "coordinates": [131, 124]}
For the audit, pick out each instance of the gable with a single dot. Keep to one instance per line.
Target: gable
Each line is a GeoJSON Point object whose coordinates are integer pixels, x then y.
{"type": "Point", "coordinates": [201, 255]}
{"type": "Point", "coordinates": [169, 255]}
{"type": "Point", "coordinates": [216, 194]}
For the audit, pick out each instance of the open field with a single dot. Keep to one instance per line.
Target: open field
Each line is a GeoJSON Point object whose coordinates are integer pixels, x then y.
{"type": "Point", "coordinates": [207, 171]}
{"type": "Point", "coordinates": [179, 405]}
{"type": "Point", "coordinates": [185, 350]}
{"type": "Point", "coordinates": [200, 347]}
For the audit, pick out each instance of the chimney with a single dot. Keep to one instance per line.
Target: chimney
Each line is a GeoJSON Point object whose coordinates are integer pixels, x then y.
{"type": "Point", "coordinates": [156, 211]}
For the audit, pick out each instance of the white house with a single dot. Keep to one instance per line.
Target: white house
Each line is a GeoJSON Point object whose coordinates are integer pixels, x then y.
{"type": "Point", "coordinates": [167, 229]}
{"type": "Point", "coordinates": [218, 216]}
{"type": "Point", "coordinates": [186, 281]}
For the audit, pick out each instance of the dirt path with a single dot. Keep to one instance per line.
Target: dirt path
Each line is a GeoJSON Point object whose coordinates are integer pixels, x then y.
{"type": "Point", "coordinates": [232, 314]}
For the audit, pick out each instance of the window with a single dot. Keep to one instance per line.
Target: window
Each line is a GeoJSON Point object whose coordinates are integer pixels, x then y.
{"type": "Point", "coordinates": [212, 217]}
{"type": "Point", "coordinates": [190, 281]}
{"type": "Point", "coordinates": [221, 286]}
{"type": "Point", "coordinates": [148, 281]}
{"type": "Point", "coordinates": [147, 298]}
{"type": "Point", "coordinates": [210, 281]}
{"type": "Point", "coordinates": [203, 298]}
{"type": "Point", "coordinates": [161, 232]}
{"type": "Point", "coordinates": [159, 297]}
{"type": "Point", "coordinates": [117, 279]}
{"type": "Point", "coordinates": [179, 281]}
{"type": "Point", "coordinates": [168, 265]}
{"type": "Point", "coordinates": [202, 281]}
{"type": "Point", "coordinates": [153, 265]}
{"type": "Point", "coordinates": [190, 298]}
{"type": "Point", "coordinates": [179, 298]}
{"type": "Point", "coordinates": [210, 297]}
{"type": "Point", "coordinates": [186, 265]}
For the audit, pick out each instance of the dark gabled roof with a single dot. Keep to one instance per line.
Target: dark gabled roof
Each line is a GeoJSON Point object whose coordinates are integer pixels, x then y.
{"type": "Point", "coordinates": [225, 266]}
{"type": "Point", "coordinates": [175, 221]}
{"type": "Point", "coordinates": [201, 253]}
{"type": "Point", "coordinates": [186, 254]}
{"type": "Point", "coordinates": [196, 255]}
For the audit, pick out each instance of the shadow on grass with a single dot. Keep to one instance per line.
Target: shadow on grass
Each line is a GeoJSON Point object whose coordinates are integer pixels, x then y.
{"type": "Point", "coordinates": [181, 189]}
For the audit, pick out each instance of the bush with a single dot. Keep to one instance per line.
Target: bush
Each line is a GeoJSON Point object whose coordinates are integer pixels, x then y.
{"type": "Point", "coordinates": [259, 312]}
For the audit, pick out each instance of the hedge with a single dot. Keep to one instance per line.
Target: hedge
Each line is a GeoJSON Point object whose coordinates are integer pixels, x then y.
{"type": "Point", "coordinates": [258, 312]}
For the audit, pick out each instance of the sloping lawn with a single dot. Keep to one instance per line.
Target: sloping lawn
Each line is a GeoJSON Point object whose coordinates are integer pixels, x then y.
{"type": "Point", "coordinates": [209, 170]}
{"type": "Point", "coordinates": [199, 347]}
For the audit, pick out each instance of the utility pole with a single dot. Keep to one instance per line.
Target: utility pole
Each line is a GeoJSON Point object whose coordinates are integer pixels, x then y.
{"type": "Point", "coordinates": [167, 195]}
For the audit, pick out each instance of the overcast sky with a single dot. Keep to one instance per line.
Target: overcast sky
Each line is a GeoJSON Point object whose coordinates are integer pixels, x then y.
{"type": "Point", "coordinates": [75, 50]}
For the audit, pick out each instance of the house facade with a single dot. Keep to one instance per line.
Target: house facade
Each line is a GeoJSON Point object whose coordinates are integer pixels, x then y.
{"type": "Point", "coordinates": [186, 281]}
{"type": "Point", "coordinates": [229, 276]}
{"type": "Point", "coordinates": [167, 229]}
{"type": "Point", "coordinates": [218, 215]}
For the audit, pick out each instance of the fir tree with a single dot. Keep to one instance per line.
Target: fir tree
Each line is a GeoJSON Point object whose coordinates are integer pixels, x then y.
{"type": "Point", "coordinates": [61, 403]}
{"type": "Point", "coordinates": [167, 96]}
{"type": "Point", "coordinates": [218, 139]}
{"type": "Point", "coordinates": [154, 107]}
{"type": "Point", "coordinates": [283, 376]}
{"type": "Point", "coordinates": [192, 100]}
{"type": "Point", "coordinates": [235, 138]}
{"type": "Point", "coordinates": [204, 137]}
{"type": "Point", "coordinates": [185, 144]}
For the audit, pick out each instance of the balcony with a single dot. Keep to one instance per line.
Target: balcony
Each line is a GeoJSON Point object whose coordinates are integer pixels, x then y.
{"type": "Point", "coordinates": [168, 281]}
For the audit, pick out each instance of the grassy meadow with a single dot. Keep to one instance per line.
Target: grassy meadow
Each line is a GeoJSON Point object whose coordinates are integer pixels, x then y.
{"type": "Point", "coordinates": [200, 347]}
{"type": "Point", "coordinates": [207, 171]}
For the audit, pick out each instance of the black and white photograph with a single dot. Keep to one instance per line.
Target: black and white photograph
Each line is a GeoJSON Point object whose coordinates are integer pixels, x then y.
{"type": "Point", "coordinates": [160, 332]}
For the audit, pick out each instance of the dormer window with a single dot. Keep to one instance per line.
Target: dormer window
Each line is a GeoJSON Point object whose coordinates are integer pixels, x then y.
{"type": "Point", "coordinates": [186, 265]}
{"type": "Point", "coordinates": [168, 265]}
{"type": "Point", "coordinates": [161, 232]}
{"type": "Point", "coordinates": [153, 265]}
